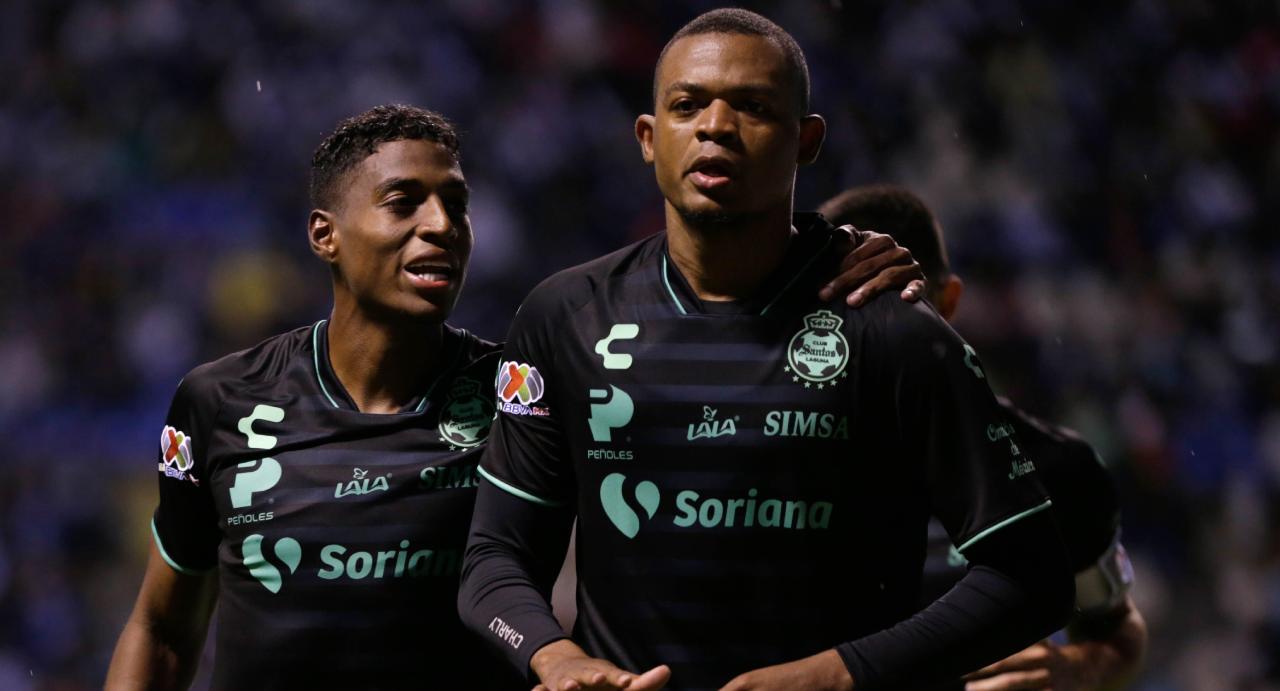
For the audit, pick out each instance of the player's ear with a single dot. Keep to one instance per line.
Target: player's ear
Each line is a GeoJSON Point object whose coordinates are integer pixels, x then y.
{"type": "Point", "coordinates": [813, 130]}
{"type": "Point", "coordinates": [321, 235]}
{"type": "Point", "coordinates": [644, 135]}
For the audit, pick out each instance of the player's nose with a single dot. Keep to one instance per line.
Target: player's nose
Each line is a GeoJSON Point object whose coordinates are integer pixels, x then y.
{"type": "Point", "coordinates": [718, 122]}
{"type": "Point", "coordinates": [434, 223]}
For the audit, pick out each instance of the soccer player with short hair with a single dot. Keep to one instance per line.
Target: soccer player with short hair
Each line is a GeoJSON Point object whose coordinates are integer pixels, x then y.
{"type": "Point", "coordinates": [319, 486]}
{"type": "Point", "coordinates": [752, 468]}
{"type": "Point", "coordinates": [1107, 634]}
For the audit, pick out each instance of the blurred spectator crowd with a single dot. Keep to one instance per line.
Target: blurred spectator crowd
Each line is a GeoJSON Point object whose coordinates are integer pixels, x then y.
{"type": "Point", "coordinates": [1104, 172]}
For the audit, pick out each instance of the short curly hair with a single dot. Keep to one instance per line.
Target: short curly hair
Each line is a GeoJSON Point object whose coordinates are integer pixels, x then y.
{"type": "Point", "coordinates": [734, 20]}
{"type": "Point", "coordinates": [356, 138]}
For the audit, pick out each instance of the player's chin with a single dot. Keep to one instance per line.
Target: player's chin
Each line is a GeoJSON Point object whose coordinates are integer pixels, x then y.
{"type": "Point", "coordinates": [433, 309]}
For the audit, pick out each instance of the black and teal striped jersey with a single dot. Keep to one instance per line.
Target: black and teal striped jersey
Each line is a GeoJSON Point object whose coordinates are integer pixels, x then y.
{"type": "Point", "coordinates": [1084, 503]}
{"type": "Point", "coordinates": [752, 479]}
{"type": "Point", "coordinates": [336, 534]}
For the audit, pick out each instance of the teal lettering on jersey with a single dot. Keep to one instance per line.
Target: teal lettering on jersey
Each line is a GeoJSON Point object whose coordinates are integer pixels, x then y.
{"type": "Point", "coordinates": [693, 510]}
{"type": "Point", "coordinates": [710, 428]}
{"type": "Point", "coordinates": [457, 477]}
{"type": "Point", "coordinates": [619, 332]}
{"type": "Point", "coordinates": [392, 563]}
{"type": "Point", "coordinates": [260, 479]}
{"type": "Point", "coordinates": [749, 512]}
{"type": "Point", "coordinates": [614, 412]}
{"type": "Point", "coordinates": [615, 505]}
{"type": "Point", "coordinates": [801, 423]}
{"type": "Point", "coordinates": [360, 484]}
{"type": "Point", "coordinates": [268, 413]}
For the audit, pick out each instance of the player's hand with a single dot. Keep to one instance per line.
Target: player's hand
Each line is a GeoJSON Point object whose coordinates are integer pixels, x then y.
{"type": "Point", "coordinates": [563, 666]}
{"type": "Point", "coordinates": [1044, 665]}
{"type": "Point", "coordinates": [822, 672]}
{"type": "Point", "coordinates": [872, 264]}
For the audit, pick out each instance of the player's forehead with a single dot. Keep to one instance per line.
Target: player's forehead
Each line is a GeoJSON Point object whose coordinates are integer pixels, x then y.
{"type": "Point", "coordinates": [722, 62]}
{"type": "Point", "coordinates": [422, 161]}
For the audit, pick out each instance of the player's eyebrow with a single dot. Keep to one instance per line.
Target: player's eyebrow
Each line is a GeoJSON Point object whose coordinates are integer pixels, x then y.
{"type": "Point", "coordinates": [395, 183]}
{"type": "Point", "coordinates": [753, 89]}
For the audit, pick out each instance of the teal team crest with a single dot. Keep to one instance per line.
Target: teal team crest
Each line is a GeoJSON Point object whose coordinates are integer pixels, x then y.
{"type": "Point", "coordinates": [818, 353]}
{"type": "Point", "coordinates": [467, 415]}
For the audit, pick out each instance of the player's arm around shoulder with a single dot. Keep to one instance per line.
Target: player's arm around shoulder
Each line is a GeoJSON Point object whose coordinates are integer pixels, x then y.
{"type": "Point", "coordinates": [163, 637]}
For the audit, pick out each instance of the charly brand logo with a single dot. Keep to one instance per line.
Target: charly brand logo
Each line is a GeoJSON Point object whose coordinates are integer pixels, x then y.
{"type": "Point", "coordinates": [361, 484]}
{"type": "Point", "coordinates": [615, 505]}
{"type": "Point", "coordinates": [253, 439]}
{"type": "Point", "coordinates": [339, 561]}
{"type": "Point", "coordinates": [613, 411]}
{"type": "Point", "coordinates": [253, 477]}
{"type": "Point", "coordinates": [819, 352]}
{"type": "Point", "coordinates": [519, 386]}
{"type": "Point", "coordinates": [694, 510]}
{"type": "Point", "coordinates": [619, 332]}
{"type": "Point", "coordinates": [175, 455]}
{"type": "Point", "coordinates": [288, 552]}
{"type": "Point", "coordinates": [710, 428]}
{"type": "Point", "coordinates": [467, 415]}
{"type": "Point", "coordinates": [971, 361]}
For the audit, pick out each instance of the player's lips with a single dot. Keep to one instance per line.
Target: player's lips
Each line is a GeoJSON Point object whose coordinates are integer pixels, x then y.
{"type": "Point", "coordinates": [710, 172]}
{"type": "Point", "coordinates": [431, 273]}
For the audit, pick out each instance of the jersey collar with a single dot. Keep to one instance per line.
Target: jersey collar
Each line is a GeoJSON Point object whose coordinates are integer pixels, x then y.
{"type": "Point", "coordinates": [336, 396]}
{"type": "Point", "coordinates": [814, 238]}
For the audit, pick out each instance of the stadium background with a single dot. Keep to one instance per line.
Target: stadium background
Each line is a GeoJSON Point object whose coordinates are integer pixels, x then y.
{"type": "Point", "coordinates": [1108, 174]}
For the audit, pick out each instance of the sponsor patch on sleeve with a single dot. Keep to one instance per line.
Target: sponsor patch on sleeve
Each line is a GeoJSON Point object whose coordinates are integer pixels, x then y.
{"type": "Point", "coordinates": [519, 386]}
{"type": "Point", "coordinates": [175, 455]}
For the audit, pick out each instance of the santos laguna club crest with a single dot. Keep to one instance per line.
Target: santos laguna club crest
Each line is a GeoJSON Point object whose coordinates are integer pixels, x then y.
{"type": "Point", "coordinates": [818, 353]}
{"type": "Point", "coordinates": [467, 415]}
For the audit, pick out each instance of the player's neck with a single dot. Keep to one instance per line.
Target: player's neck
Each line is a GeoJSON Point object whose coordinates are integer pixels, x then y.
{"type": "Point", "coordinates": [382, 365]}
{"type": "Point", "coordinates": [728, 261]}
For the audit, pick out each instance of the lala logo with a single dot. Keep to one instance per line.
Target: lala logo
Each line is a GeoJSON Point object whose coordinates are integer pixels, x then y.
{"type": "Point", "coordinates": [360, 484]}
{"type": "Point", "coordinates": [175, 455]}
{"type": "Point", "coordinates": [710, 428]}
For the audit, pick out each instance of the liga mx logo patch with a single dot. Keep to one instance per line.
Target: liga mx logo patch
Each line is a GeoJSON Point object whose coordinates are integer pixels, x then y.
{"type": "Point", "coordinates": [519, 386]}
{"type": "Point", "coordinates": [175, 455]}
{"type": "Point", "coordinates": [818, 353]}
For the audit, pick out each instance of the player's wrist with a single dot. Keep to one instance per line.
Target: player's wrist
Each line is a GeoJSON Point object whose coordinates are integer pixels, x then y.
{"type": "Point", "coordinates": [832, 672]}
{"type": "Point", "coordinates": [553, 654]}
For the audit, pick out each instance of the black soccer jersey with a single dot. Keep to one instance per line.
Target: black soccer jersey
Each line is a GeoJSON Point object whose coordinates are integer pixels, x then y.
{"type": "Point", "coordinates": [752, 479]}
{"type": "Point", "coordinates": [1084, 504]}
{"type": "Point", "coordinates": [337, 535]}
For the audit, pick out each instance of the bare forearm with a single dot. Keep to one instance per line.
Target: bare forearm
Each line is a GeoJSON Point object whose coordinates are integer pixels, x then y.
{"type": "Point", "coordinates": [146, 659]}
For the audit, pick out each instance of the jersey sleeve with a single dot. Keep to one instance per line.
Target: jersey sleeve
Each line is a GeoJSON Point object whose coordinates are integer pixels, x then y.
{"type": "Point", "coordinates": [185, 523]}
{"type": "Point", "coordinates": [978, 479]}
{"type": "Point", "coordinates": [526, 454]}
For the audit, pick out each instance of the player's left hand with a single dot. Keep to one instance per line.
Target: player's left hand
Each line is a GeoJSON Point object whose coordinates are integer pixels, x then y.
{"type": "Point", "coordinates": [872, 264]}
{"type": "Point", "coordinates": [822, 672]}
{"type": "Point", "coordinates": [1045, 665]}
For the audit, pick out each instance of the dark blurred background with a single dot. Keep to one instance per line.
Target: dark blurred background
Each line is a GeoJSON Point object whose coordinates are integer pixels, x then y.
{"type": "Point", "coordinates": [1108, 174]}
